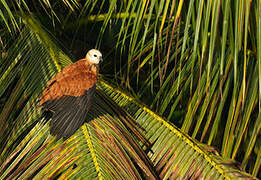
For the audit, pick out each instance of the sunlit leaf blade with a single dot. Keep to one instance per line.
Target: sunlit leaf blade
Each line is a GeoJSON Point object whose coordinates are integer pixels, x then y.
{"type": "Point", "coordinates": [168, 141]}
{"type": "Point", "coordinates": [121, 139]}
{"type": "Point", "coordinates": [103, 148]}
{"type": "Point", "coordinates": [195, 63]}
{"type": "Point", "coordinates": [26, 68]}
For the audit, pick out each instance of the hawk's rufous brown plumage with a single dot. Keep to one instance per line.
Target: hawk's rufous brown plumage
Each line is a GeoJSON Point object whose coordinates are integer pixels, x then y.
{"type": "Point", "coordinates": [69, 94]}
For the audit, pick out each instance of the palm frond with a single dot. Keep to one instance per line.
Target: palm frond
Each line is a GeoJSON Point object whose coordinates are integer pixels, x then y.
{"type": "Point", "coordinates": [26, 68]}
{"type": "Point", "coordinates": [196, 63]}
{"type": "Point", "coordinates": [106, 147]}
{"type": "Point", "coordinates": [122, 138]}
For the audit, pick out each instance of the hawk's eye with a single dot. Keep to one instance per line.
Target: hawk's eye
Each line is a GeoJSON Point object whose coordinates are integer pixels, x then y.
{"type": "Point", "coordinates": [95, 55]}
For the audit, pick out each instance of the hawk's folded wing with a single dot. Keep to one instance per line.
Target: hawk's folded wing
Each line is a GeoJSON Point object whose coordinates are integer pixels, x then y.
{"type": "Point", "coordinates": [68, 97]}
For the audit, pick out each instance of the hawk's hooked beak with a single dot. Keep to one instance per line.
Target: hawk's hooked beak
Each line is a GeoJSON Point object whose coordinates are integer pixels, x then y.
{"type": "Point", "coordinates": [100, 59]}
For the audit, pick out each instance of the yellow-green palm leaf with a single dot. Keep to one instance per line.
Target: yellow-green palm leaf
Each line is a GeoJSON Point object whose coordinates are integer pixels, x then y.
{"type": "Point", "coordinates": [121, 139]}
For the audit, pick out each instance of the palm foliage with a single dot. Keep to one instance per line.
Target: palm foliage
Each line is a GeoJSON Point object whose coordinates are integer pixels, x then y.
{"type": "Point", "coordinates": [122, 139]}
{"type": "Point", "coordinates": [197, 64]}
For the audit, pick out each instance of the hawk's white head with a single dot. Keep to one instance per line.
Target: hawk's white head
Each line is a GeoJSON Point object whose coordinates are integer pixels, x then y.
{"type": "Point", "coordinates": [94, 56]}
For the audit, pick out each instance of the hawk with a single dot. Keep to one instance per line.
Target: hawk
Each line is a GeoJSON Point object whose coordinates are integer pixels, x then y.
{"type": "Point", "coordinates": [69, 94]}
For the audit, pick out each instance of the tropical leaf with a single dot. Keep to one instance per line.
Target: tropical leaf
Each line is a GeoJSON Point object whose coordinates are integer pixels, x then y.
{"type": "Point", "coordinates": [106, 147]}
{"type": "Point", "coordinates": [122, 139]}
{"type": "Point", "coordinates": [195, 63]}
{"type": "Point", "coordinates": [208, 67]}
{"type": "Point", "coordinates": [173, 153]}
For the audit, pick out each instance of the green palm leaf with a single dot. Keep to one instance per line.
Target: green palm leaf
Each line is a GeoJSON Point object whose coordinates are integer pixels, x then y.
{"type": "Point", "coordinates": [196, 63]}
{"type": "Point", "coordinates": [122, 139]}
